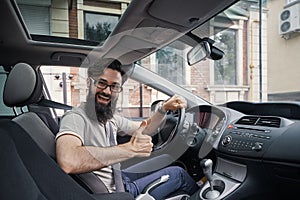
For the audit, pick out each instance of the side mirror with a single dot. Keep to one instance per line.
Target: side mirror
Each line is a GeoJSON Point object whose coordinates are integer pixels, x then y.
{"type": "Point", "coordinates": [198, 53]}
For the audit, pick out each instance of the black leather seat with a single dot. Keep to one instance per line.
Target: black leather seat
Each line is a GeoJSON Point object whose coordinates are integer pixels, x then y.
{"type": "Point", "coordinates": [29, 173]}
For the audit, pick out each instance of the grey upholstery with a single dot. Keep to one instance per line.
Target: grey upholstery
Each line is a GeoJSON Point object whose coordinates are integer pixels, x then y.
{"type": "Point", "coordinates": [29, 173]}
{"type": "Point", "coordinates": [38, 131]}
{"type": "Point", "coordinates": [24, 87]}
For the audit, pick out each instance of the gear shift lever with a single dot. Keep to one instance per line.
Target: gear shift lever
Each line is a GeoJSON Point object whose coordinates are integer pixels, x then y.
{"type": "Point", "coordinates": [206, 165]}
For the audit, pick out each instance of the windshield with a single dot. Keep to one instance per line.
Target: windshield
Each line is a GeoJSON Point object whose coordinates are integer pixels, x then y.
{"type": "Point", "coordinates": [260, 41]}
{"type": "Point", "coordinates": [171, 63]}
{"type": "Point", "coordinates": [260, 62]}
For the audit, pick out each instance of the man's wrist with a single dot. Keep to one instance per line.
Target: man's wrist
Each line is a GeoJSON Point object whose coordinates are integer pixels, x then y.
{"type": "Point", "coordinates": [128, 148]}
{"type": "Point", "coordinates": [161, 109]}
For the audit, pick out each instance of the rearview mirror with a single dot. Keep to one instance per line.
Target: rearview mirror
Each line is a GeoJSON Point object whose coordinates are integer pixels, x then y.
{"type": "Point", "coordinates": [198, 53]}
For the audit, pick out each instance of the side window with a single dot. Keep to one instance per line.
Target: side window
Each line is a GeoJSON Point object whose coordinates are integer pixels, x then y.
{"type": "Point", "coordinates": [65, 85]}
{"type": "Point", "coordinates": [68, 85]}
{"type": "Point", "coordinates": [4, 110]}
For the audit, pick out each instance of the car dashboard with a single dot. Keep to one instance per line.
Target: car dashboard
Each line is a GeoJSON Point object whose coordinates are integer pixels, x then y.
{"type": "Point", "coordinates": [254, 149]}
{"type": "Point", "coordinates": [253, 136]}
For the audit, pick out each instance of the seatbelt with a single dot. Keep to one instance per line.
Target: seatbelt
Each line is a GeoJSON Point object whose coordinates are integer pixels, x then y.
{"type": "Point", "coordinates": [116, 167]}
{"type": "Point", "coordinates": [53, 104]}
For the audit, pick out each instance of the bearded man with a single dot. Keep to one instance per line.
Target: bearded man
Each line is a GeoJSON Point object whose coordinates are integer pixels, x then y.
{"type": "Point", "coordinates": [86, 141]}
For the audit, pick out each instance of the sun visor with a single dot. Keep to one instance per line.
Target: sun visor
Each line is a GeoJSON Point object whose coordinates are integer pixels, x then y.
{"type": "Point", "coordinates": [193, 13]}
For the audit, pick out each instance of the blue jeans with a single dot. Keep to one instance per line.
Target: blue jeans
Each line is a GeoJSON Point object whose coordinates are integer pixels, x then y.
{"type": "Point", "coordinates": [179, 180]}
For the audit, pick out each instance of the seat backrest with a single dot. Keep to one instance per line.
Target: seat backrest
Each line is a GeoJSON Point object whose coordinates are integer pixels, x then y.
{"type": "Point", "coordinates": [13, 172]}
{"type": "Point", "coordinates": [24, 87]}
{"type": "Point", "coordinates": [29, 173]}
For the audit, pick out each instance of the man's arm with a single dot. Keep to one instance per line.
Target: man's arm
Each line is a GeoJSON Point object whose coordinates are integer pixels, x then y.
{"type": "Point", "coordinates": [75, 158]}
{"type": "Point", "coordinates": [174, 103]}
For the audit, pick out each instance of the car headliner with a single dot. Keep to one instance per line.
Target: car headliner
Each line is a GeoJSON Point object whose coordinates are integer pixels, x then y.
{"type": "Point", "coordinates": [182, 16]}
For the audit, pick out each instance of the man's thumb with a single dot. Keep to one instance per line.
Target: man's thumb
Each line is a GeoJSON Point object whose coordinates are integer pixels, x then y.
{"type": "Point", "coordinates": [142, 127]}
{"type": "Point", "coordinates": [139, 132]}
{"type": "Point", "coordinates": [143, 124]}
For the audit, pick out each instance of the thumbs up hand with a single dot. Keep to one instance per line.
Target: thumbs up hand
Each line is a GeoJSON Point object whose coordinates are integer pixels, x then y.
{"type": "Point", "coordinates": [141, 145]}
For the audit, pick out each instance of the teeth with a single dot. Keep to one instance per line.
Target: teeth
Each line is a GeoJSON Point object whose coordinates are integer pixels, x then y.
{"type": "Point", "coordinates": [103, 97]}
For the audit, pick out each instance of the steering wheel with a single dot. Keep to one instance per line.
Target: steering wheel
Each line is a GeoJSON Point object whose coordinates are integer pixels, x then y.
{"type": "Point", "coordinates": [180, 114]}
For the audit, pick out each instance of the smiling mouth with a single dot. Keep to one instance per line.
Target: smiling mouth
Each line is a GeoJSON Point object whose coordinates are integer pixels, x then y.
{"type": "Point", "coordinates": [103, 99]}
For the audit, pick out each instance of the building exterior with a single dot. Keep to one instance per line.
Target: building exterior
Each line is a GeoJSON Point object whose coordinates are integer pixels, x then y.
{"type": "Point", "coordinates": [285, 44]}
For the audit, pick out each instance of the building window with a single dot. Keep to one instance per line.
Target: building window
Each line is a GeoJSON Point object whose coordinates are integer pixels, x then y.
{"type": "Point", "coordinates": [37, 18]}
{"type": "Point", "coordinates": [173, 59]}
{"type": "Point", "coordinates": [99, 26]}
{"type": "Point", "coordinates": [225, 69]}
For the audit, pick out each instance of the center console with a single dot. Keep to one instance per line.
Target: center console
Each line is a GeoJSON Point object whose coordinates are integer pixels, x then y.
{"type": "Point", "coordinates": [226, 178]}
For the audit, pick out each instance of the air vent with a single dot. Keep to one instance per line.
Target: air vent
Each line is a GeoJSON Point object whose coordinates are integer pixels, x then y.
{"type": "Point", "coordinates": [269, 121]}
{"type": "Point", "coordinates": [247, 120]}
{"type": "Point", "coordinates": [260, 121]}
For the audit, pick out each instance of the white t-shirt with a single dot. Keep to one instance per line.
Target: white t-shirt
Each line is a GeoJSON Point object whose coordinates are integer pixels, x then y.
{"type": "Point", "coordinates": [92, 133]}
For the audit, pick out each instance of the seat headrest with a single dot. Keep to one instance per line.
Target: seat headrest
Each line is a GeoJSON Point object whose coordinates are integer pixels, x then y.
{"type": "Point", "coordinates": [23, 86]}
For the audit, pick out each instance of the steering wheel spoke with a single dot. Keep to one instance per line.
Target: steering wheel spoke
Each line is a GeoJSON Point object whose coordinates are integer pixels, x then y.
{"type": "Point", "coordinates": [173, 126]}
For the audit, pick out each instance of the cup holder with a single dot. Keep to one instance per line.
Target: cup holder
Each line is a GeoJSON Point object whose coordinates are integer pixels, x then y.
{"type": "Point", "coordinates": [218, 189]}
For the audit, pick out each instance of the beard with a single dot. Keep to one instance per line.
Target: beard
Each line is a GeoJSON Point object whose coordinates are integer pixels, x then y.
{"type": "Point", "coordinates": [98, 111]}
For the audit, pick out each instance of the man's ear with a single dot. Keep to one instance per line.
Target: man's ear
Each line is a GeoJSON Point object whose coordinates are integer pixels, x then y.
{"type": "Point", "coordinates": [88, 82]}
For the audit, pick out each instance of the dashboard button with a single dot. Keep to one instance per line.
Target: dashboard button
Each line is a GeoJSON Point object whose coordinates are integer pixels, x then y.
{"type": "Point", "coordinates": [257, 146]}
{"type": "Point", "coordinates": [226, 140]}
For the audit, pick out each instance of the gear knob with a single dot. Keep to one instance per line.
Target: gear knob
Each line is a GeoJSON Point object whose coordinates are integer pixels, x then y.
{"type": "Point", "coordinates": [206, 165]}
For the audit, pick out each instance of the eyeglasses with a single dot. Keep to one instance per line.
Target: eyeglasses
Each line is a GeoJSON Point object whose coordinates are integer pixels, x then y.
{"type": "Point", "coordinates": [100, 84]}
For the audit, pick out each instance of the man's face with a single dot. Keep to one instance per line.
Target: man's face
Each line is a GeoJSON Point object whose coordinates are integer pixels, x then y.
{"type": "Point", "coordinates": [106, 96]}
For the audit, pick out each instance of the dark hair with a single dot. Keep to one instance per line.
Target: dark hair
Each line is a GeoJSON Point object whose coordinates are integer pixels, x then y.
{"type": "Point", "coordinates": [98, 68]}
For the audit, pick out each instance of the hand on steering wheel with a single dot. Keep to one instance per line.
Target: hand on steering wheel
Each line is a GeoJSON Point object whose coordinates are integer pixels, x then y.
{"type": "Point", "coordinates": [174, 103]}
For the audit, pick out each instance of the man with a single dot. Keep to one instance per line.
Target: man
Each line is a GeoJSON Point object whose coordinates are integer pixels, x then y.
{"type": "Point", "coordinates": [87, 137]}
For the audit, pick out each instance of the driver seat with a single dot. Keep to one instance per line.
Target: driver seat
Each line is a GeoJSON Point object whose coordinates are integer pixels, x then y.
{"type": "Point", "coordinates": [23, 87]}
